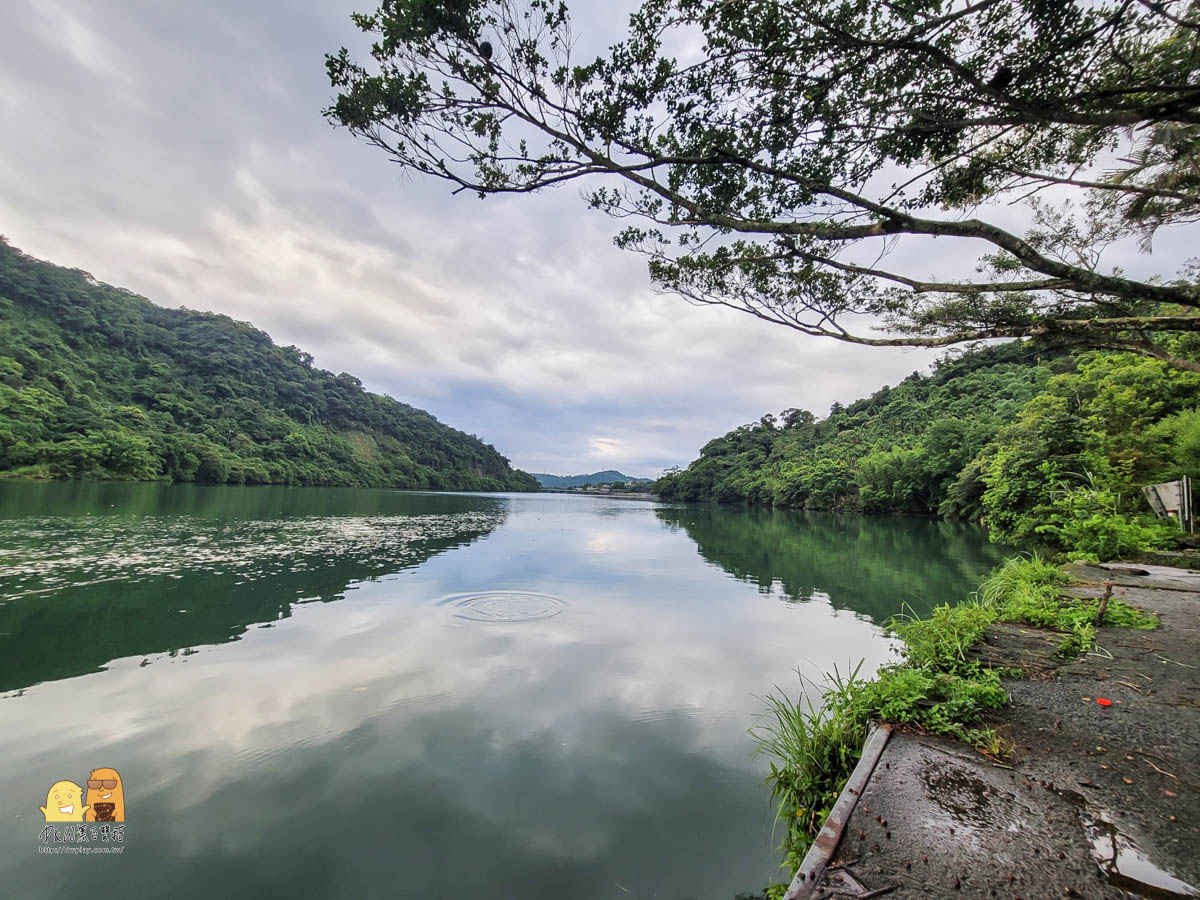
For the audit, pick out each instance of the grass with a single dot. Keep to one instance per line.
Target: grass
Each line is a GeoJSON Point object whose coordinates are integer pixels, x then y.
{"type": "Point", "coordinates": [942, 642]}
{"type": "Point", "coordinates": [938, 687]}
{"type": "Point", "coordinates": [813, 749]}
{"type": "Point", "coordinates": [1027, 590]}
{"type": "Point", "coordinates": [936, 702]}
{"type": "Point", "coordinates": [1024, 590]}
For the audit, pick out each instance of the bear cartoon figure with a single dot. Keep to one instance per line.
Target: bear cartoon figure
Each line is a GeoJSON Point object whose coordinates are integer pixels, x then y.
{"type": "Point", "coordinates": [106, 796]}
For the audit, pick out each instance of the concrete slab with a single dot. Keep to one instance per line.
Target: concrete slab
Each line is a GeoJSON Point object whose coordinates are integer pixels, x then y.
{"type": "Point", "coordinates": [1097, 801]}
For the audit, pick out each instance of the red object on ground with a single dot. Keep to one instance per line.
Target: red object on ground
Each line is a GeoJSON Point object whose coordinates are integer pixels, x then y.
{"type": "Point", "coordinates": [1103, 701]}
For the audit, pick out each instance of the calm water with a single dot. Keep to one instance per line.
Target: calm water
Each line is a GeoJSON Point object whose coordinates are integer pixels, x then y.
{"type": "Point", "coordinates": [341, 693]}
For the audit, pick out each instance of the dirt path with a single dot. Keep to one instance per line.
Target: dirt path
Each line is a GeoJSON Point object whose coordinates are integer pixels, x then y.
{"type": "Point", "coordinates": [1098, 801]}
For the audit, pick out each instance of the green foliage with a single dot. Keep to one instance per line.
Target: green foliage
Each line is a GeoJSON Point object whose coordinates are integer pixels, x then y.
{"type": "Point", "coordinates": [1080, 639]}
{"type": "Point", "coordinates": [1087, 522]}
{"type": "Point", "coordinates": [942, 641]}
{"type": "Point", "coordinates": [899, 450]}
{"type": "Point", "coordinates": [1023, 464]}
{"type": "Point", "coordinates": [813, 749]}
{"type": "Point", "coordinates": [1066, 472]}
{"type": "Point", "coordinates": [1046, 451]}
{"type": "Point", "coordinates": [1029, 590]}
{"type": "Point", "coordinates": [1023, 576]}
{"type": "Point", "coordinates": [97, 382]}
{"type": "Point", "coordinates": [1179, 435]}
{"type": "Point", "coordinates": [935, 701]}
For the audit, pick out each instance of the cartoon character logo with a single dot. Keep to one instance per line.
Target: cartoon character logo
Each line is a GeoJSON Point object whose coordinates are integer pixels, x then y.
{"type": "Point", "coordinates": [64, 802]}
{"type": "Point", "coordinates": [106, 796]}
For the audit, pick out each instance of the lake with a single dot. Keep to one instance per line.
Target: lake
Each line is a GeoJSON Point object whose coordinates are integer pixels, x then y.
{"type": "Point", "coordinates": [326, 693]}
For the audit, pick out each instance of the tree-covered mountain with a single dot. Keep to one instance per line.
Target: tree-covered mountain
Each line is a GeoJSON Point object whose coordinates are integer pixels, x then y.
{"type": "Point", "coordinates": [98, 382]}
{"type": "Point", "coordinates": [1043, 447]}
{"type": "Point", "coordinates": [608, 476]}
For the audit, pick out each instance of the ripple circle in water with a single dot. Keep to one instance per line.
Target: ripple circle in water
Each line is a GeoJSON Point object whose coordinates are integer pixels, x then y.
{"type": "Point", "coordinates": [504, 606]}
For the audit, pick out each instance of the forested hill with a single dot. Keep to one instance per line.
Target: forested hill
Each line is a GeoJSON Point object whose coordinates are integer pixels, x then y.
{"type": "Point", "coordinates": [1043, 446]}
{"type": "Point", "coordinates": [608, 476]}
{"type": "Point", "coordinates": [926, 428]}
{"type": "Point", "coordinates": [98, 382]}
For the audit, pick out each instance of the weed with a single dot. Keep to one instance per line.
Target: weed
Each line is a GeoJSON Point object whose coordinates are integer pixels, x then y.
{"type": "Point", "coordinates": [937, 702]}
{"type": "Point", "coordinates": [1122, 614]}
{"type": "Point", "coordinates": [1025, 577]}
{"type": "Point", "coordinates": [1028, 590]}
{"type": "Point", "coordinates": [1091, 521]}
{"type": "Point", "coordinates": [813, 750]}
{"type": "Point", "coordinates": [814, 747]}
{"type": "Point", "coordinates": [941, 642]}
{"type": "Point", "coordinates": [1080, 639]}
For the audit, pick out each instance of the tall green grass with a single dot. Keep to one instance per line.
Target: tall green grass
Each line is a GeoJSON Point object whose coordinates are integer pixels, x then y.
{"type": "Point", "coordinates": [1028, 590]}
{"type": "Point", "coordinates": [812, 748]}
{"type": "Point", "coordinates": [943, 641]}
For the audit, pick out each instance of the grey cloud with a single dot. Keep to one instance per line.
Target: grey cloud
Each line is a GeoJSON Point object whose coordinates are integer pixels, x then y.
{"type": "Point", "coordinates": [179, 150]}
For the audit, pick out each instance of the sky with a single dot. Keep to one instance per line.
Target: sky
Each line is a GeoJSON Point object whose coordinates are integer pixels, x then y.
{"type": "Point", "coordinates": [179, 150]}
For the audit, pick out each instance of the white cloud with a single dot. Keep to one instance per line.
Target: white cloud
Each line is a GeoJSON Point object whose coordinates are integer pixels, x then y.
{"type": "Point", "coordinates": [180, 152]}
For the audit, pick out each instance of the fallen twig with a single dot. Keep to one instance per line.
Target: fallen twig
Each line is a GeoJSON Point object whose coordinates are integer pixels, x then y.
{"type": "Point", "coordinates": [1158, 770]}
{"type": "Point", "coordinates": [842, 865]}
{"type": "Point", "coordinates": [1103, 604]}
{"type": "Point", "coordinates": [1185, 665]}
{"type": "Point", "coordinates": [1179, 778]}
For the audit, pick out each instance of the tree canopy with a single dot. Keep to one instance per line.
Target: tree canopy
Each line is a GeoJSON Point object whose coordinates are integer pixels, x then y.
{"type": "Point", "coordinates": [1045, 449]}
{"type": "Point", "coordinates": [791, 158]}
{"type": "Point", "coordinates": [96, 381]}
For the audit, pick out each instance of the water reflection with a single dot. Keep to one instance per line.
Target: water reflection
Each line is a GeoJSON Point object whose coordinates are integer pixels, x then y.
{"type": "Point", "coordinates": [873, 565]}
{"type": "Point", "coordinates": [381, 746]}
{"type": "Point", "coordinates": [145, 569]}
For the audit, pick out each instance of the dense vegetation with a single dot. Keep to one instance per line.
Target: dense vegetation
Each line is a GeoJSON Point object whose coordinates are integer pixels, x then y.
{"type": "Point", "coordinates": [1045, 449]}
{"type": "Point", "coordinates": [98, 382]}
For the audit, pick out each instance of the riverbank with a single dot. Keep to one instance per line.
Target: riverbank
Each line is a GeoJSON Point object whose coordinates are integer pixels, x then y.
{"type": "Point", "coordinates": [1097, 795]}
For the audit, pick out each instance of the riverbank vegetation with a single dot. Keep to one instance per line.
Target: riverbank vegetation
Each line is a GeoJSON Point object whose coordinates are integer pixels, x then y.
{"type": "Point", "coordinates": [97, 382]}
{"type": "Point", "coordinates": [1045, 448]}
{"type": "Point", "coordinates": [939, 686]}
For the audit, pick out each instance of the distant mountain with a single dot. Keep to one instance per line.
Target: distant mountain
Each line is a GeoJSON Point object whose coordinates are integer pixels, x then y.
{"type": "Point", "coordinates": [97, 382]}
{"type": "Point", "coordinates": [608, 476]}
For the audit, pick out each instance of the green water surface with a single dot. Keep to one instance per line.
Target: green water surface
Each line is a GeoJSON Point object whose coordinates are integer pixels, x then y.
{"type": "Point", "coordinates": [326, 693]}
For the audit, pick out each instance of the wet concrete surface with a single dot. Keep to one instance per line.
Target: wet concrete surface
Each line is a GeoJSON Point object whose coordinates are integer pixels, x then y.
{"type": "Point", "coordinates": [1096, 801]}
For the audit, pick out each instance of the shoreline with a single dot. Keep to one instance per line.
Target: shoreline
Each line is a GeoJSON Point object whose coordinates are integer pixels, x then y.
{"type": "Point", "coordinates": [1093, 800]}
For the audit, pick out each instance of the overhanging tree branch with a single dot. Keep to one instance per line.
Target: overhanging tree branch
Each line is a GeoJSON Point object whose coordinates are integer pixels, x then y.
{"type": "Point", "coordinates": [759, 161]}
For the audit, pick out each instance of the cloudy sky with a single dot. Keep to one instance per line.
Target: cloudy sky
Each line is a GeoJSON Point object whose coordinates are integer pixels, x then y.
{"type": "Point", "coordinates": [178, 150]}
